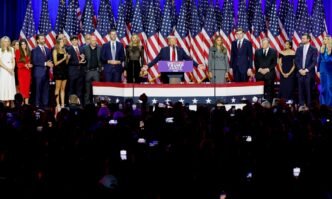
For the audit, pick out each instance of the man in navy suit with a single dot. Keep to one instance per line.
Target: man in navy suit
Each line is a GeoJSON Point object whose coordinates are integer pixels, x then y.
{"type": "Point", "coordinates": [75, 69]}
{"type": "Point", "coordinates": [112, 56]}
{"type": "Point", "coordinates": [41, 60]}
{"type": "Point", "coordinates": [305, 62]}
{"type": "Point", "coordinates": [170, 53]}
{"type": "Point", "coordinates": [241, 58]}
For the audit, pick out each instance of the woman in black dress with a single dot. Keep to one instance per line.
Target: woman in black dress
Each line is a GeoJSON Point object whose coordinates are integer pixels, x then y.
{"type": "Point", "coordinates": [60, 71]}
{"type": "Point", "coordinates": [287, 67]}
{"type": "Point", "coordinates": [134, 60]}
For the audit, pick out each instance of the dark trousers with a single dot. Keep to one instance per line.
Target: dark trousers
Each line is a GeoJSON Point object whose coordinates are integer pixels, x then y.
{"type": "Point", "coordinates": [90, 76]}
{"type": "Point", "coordinates": [113, 74]}
{"type": "Point", "coordinates": [133, 70]}
{"type": "Point", "coordinates": [76, 85]}
{"type": "Point", "coordinates": [42, 91]}
{"type": "Point", "coordinates": [304, 85]}
{"type": "Point", "coordinates": [240, 77]}
{"type": "Point", "coordinates": [268, 79]}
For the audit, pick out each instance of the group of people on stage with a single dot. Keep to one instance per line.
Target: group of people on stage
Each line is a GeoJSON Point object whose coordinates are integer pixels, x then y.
{"type": "Point", "coordinates": [81, 65]}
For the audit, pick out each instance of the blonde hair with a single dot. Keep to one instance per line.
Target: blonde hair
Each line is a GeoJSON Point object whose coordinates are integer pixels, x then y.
{"type": "Point", "coordinates": [131, 44]}
{"type": "Point", "coordinates": [222, 47]}
{"type": "Point", "coordinates": [58, 47]}
{"type": "Point", "coordinates": [2, 44]}
{"type": "Point", "coordinates": [329, 44]}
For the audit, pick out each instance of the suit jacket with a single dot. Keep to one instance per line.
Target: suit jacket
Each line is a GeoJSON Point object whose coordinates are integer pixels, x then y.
{"type": "Point", "coordinates": [86, 50]}
{"type": "Point", "coordinates": [106, 54]}
{"type": "Point", "coordinates": [266, 61]}
{"type": "Point", "coordinates": [241, 59]}
{"type": "Point", "coordinates": [74, 67]}
{"type": "Point", "coordinates": [38, 59]}
{"type": "Point", "coordinates": [164, 55]}
{"type": "Point", "coordinates": [310, 62]}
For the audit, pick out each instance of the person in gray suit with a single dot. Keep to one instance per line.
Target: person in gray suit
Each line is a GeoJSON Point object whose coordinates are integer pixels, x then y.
{"type": "Point", "coordinates": [218, 62]}
{"type": "Point", "coordinates": [92, 68]}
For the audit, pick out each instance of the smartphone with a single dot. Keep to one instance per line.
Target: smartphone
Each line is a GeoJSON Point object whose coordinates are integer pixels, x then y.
{"type": "Point", "coordinates": [193, 107]}
{"type": "Point", "coordinates": [169, 120]}
{"type": "Point", "coordinates": [113, 122]}
{"type": "Point", "coordinates": [123, 154]}
{"type": "Point", "coordinates": [296, 171]}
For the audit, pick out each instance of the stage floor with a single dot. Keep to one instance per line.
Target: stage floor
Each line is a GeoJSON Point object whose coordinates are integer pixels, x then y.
{"type": "Point", "coordinates": [231, 93]}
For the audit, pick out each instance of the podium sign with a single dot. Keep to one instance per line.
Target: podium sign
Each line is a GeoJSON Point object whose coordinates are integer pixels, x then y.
{"type": "Point", "coordinates": [175, 66]}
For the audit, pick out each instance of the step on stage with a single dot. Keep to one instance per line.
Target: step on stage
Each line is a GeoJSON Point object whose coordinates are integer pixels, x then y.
{"type": "Point", "coordinates": [230, 93]}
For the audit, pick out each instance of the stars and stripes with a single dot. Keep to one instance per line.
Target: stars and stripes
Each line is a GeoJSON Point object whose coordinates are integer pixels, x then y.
{"type": "Point", "coordinates": [273, 32]}
{"type": "Point", "coordinates": [258, 28]}
{"type": "Point", "coordinates": [182, 27]}
{"type": "Point", "coordinates": [137, 26]}
{"type": "Point", "coordinates": [72, 26]}
{"type": "Point", "coordinates": [28, 30]}
{"type": "Point", "coordinates": [121, 26]}
{"type": "Point", "coordinates": [318, 24]}
{"type": "Point", "coordinates": [88, 18]}
{"type": "Point", "coordinates": [45, 26]}
{"type": "Point", "coordinates": [289, 23]}
{"type": "Point", "coordinates": [282, 17]}
{"type": "Point", "coordinates": [152, 45]}
{"type": "Point", "coordinates": [103, 26]}
{"type": "Point", "coordinates": [242, 21]}
{"type": "Point", "coordinates": [166, 24]}
{"type": "Point", "coordinates": [227, 25]}
{"type": "Point", "coordinates": [302, 22]}
{"type": "Point", "coordinates": [61, 17]}
{"type": "Point", "coordinates": [110, 14]}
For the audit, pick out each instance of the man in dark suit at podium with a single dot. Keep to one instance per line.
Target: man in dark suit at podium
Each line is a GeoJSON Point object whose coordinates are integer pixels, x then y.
{"type": "Point", "coordinates": [241, 58]}
{"type": "Point", "coordinates": [171, 53]}
{"type": "Point", "coordinates": [265, 63]}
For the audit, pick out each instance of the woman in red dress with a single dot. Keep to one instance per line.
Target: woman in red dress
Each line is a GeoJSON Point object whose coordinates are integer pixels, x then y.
{"type": "Point", "coordinates": [24, 66]}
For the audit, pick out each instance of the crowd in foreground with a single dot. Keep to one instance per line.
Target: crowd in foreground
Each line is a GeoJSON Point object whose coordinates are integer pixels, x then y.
{"type": "Point", "coordinates": [129, 150]}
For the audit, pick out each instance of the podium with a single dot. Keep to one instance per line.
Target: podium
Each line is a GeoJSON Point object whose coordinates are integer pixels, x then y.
{"type": "Point", "coordinates": [175, 69]}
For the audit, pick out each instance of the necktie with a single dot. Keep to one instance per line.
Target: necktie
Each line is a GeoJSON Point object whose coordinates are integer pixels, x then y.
{"type": "Point", "coordinates": [113, 51]}
{"type": "Point", "coordinates": [239, 44]}
{"type": "Point", "coordinates": [43, 50]}
{"type": "Point", "coordinates": [173, 53]}
{"type": "Point", "coordinates": [77, 53]}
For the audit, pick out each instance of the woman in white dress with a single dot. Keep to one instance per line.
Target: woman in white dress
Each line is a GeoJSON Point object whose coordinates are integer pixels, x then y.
{"type": "Point", "coordinates": [7, 74]}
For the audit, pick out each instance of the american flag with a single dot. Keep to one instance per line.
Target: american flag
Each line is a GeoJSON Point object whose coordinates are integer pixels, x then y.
{"type": "Point", "coordinates": [110, 14]}
{"type": "Point", "coordinates": [273, 32]}
{"type": "Point", "coordinates": [103, 26]}
{"type": "Point", "coordinates": [196, 49]}
{"type": "Point", "coordinates": [203, 6]}
{"type": "Point", "coordinates": [218, 15]}
{"type": "Point", "coordinates": [88, 18]}
{"type": "Point", "coordinates": [182, 27]}
{"type": "Point", "coordinates": [61, 17]}
{"type": "Point", "coordinates": [45, 26]}
{"type": "Point", "coordinates": [152, 46]}
{"type": "Point", "coordinates": [268, 7]}
{"type": "Point", "coordinates": [284, 4]}
{"type": "Point", "coordinates": [174, 14]}
{"type": "Point", "coordinates": [242, 21]}
{"type": "Point", "coordinates": [227, 25]}
{"type": "Point", "coordinates": [166, 24]}
{"type": "Point", "coordinates": [145, 9]}
{"type": "Point", "coordinates": [121, 26]}
{"type": "Point", "coordinates": [289, 23]}
{"type": "Point", "coordinates": [209, 30]}
{"type": "Point", "coordinates": [72, 26]}
{"type": "Point", "coordinates": [258, 26]}
{"type": "Point", "coordinates": [137, 27]}
{"type": "Point", "coordinates": [318, 24]}
{"type": "Point", "coordinates": [28, 30]}
{"type": "Point", "coordinates": [251, 11]}
{"type": "Point", "coordinates": [129, 13]}
{"type": "Point", "coordinates": [157, 14]}
{"type": "Point", "coordinates": [302, 22]}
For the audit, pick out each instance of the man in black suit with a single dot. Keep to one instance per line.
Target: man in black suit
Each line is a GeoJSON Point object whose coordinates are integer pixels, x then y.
{"type": "Point", "coordinates": [75, 69]}
{"type": "Point", "coordinates": [265, 62]}
{"type": "Point", "coordinates": [92, 54]}
{"type": "Point", "coordinates": [241, 58]}
{"type": "Point", "coordinates": [171, 53]}
{"type": "Point", "coordinates": [305, 62]}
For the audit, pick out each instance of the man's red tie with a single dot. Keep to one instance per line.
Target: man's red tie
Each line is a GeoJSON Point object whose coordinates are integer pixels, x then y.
{"type": "Point", "coordinates": [77, 53]}
{"type": "Point", "coordinates": [173, 54]}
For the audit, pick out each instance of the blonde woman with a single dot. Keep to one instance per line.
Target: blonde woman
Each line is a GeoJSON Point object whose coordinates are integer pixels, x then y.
{"type": "Point", "coordinates": [7, 74]}
{"type": "Point", "coordinates": [134, 59]}
{"type": "Point", "coordinates": [60, 71]}
{"type": "Point", "coordinates": [218, 62]}
{"type": "Point", "coordinates": [325, 72]}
